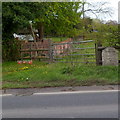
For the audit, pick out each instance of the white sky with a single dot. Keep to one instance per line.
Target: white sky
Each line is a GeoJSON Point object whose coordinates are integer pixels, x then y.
{"type": "Point", "coordinates": [112, 4]}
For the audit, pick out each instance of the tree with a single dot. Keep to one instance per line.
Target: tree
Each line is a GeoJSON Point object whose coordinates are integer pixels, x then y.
{"type": "Point", "coordinates": [45, 16]}
{"type": "Point", "coordinates": [105, 33]}
{"type": "Point", "coordinates": [14, 16]}
{"type": "Point", "coordinates": [111, 34]}
{"type": "Point", "coordinates": [59, 17]}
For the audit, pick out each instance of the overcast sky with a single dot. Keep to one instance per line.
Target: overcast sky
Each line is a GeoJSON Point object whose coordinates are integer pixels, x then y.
{"type": "Point", "coordinates": [113, 4]}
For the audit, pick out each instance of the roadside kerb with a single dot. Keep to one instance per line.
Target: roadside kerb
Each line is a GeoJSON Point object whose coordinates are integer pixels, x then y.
{"type": "Point", "coordinates": [68, 92]}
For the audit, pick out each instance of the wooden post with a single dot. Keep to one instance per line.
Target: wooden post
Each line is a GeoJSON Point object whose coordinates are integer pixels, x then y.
{"type": "Point", "coordinates": [50, 51]}
{"type": "Point", "coordinates": [31, 51]}
{"type": "Point", "coordinates": [21, 54]}
{"type": "Point", "coordinates": [98, 54]}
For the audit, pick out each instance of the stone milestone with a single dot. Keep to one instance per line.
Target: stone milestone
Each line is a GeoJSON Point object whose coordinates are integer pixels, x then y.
{"type": "Point", "coordinates": [110, 56]}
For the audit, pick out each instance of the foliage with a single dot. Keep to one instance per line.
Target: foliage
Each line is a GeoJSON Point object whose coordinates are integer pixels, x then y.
{"type": "Point", "coordinates": [105, 33]}
{"type": "Point", "coordinates": [10, 50]}
{"type": "Point", "coordinates": [55, 17]}
{"type": "Point", "coordinates": [58, 17]}
{"type": "Point", "coordinates": [108, 33]}
{"type": "Point", "coordinates": [112, 35]}
{"type": "Point", "coordinates": [14, 17]}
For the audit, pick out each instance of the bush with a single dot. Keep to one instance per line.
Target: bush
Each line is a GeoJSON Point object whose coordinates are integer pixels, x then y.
{"type": "Point", "coordinates": [10, 50]}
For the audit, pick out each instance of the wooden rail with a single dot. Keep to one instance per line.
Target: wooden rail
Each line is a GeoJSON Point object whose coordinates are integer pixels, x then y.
{"type": "Point", "coordinates": [34, 50]}
{"type": "Point", "coordinates": [39, 57]}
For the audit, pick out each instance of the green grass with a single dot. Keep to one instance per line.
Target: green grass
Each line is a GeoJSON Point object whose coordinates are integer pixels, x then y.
{"type": "Point", "coordinates": [57, 74]}
{"type": "Point", "coordinates": [58, 39]}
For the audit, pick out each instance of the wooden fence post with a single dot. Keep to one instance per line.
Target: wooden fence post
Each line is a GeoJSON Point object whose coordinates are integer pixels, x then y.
{"type": "Point", "coordinates": [21, 54]}
{"type": "Point", "coordinates": [50, 51]}
{"type": "Point", "coordinates": [31, 51]}
{"type": "Point", "coordinates": [98, 53]}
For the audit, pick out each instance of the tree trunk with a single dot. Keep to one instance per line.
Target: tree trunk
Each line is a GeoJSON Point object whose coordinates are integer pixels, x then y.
{"type": "Point", "coordinates": [33, 34]}
{"type": "Point", "coordinates": [35, 40]}
{"type": "Point", "coordinates": [41, 31]}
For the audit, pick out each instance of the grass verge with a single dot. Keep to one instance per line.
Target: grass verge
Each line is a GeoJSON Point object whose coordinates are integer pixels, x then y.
{"type": "Point", "coordinates": [57, 74]}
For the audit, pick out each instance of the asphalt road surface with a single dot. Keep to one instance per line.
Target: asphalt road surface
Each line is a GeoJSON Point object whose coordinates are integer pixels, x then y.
{"type": "Point", "coordinates": [62, 105]}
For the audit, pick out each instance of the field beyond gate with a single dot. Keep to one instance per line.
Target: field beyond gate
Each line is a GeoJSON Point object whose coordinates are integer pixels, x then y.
{"type": "Point", "coordinates": [67, 51]}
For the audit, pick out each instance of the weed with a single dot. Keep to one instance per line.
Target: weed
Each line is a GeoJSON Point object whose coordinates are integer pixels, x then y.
{"type": "Point", "coordinates": [67, 70]}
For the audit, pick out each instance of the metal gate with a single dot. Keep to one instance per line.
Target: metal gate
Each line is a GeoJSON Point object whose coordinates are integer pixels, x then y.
{"type": "Point", "coordinates": [75, 52]}
{"type": "Point", "coordinates": [68, 51]}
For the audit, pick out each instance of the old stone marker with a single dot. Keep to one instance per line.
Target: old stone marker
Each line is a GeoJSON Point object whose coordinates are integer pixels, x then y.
{"type": "Point", "coordinates": [110, 56]}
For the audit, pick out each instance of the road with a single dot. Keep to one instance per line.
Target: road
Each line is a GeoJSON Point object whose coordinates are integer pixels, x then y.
{"type": "Point", "coordinates": [62, 105]}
